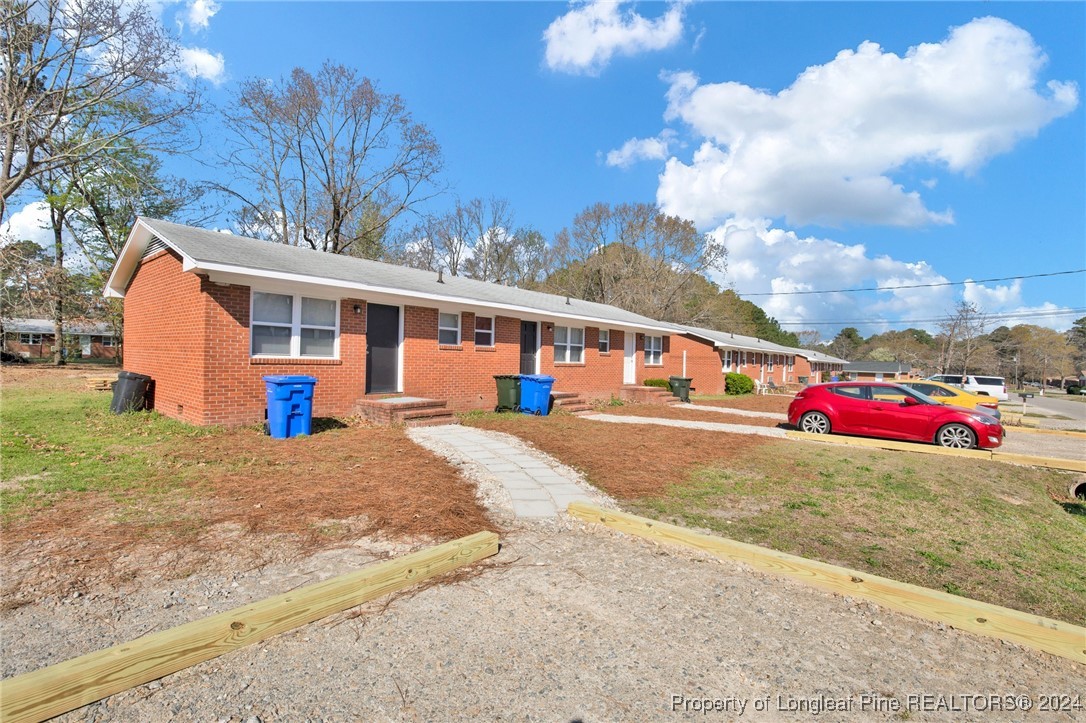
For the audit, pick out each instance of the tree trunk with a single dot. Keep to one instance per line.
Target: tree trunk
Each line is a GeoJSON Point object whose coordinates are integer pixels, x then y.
{"type": "Point", "coordinates": [58, 289]}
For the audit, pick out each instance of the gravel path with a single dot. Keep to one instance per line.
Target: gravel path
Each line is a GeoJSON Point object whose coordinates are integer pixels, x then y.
{"type": "Point", "coordinates": [737, 412]}
{"type": "Point", "coordinates": [711, 426]}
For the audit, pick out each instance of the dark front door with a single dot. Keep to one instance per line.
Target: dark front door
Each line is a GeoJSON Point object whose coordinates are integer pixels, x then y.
{"type": "Point", "coordinates": [528, 346]}
{"type": "Point", "coordinates": [382, 348]}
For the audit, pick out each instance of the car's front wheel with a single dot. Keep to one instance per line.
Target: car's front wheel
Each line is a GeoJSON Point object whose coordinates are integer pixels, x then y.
{"type": "Point", "coordinates": [815, 423]}
{"type": "Point", "coordinates": [956, 436]}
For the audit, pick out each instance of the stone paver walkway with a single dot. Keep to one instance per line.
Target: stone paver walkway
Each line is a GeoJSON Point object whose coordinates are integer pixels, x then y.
{"type": "Point", "coordinates": [711, 426]}
{"type": "Point", "coordinates": [535, 487]}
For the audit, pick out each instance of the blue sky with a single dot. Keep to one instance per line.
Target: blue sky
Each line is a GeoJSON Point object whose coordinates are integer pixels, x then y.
{"type": "Point", "coordinates": [828, 145]}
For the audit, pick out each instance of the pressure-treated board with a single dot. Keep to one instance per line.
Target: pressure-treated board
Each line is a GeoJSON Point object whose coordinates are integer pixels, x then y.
{"type": "Point", "coordinates": [1074, 465]}
{"type": "Point", "coordinates": [1034, 631]}
{"type": "Point", "coordinates": [890, 444]}
{"type": "Point", "coordinates": [59, 688]}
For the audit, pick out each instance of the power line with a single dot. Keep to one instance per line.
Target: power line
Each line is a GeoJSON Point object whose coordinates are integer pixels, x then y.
{"type": "Point", "coordinates": [1008, 316]}
{"type": "Point", "coordinates": [914, 286]}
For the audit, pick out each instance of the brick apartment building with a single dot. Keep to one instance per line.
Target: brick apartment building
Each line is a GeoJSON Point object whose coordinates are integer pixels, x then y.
{"type": "Point", "coordinates": [208, 314]}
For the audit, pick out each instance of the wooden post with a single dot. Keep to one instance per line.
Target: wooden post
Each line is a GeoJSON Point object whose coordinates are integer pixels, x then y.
{"type": "Point", "coordinates": [63, 687]}
{"type": "Point", "coordinates": [1033, 631]}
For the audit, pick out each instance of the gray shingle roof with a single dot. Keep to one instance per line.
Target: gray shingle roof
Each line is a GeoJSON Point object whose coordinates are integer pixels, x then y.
{"type": "Point", "coordinates": [45, 326]}
{"type": "Point", "coordinates": [211, 249]}
{"type": "Point", "coordinates": [878, 367]}
{"type": "Point", "coordinates": [751, 343]}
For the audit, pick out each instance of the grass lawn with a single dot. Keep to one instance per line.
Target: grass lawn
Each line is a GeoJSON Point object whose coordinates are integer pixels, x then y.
{"type": "Point", "coordinates": [995, 532]}
{"type": "Point", "coordinates": [83, 487]}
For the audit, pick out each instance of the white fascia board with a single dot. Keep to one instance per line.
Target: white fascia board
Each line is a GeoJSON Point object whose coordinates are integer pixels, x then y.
{"type": "Point", "coordinates": [131, 256]}
{"type": "Point", "coordinates": [225, 273]}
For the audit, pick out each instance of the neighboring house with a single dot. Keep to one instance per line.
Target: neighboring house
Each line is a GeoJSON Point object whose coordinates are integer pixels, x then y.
{"type": "Point", "coordinates": [35, 338]}
{"type": "Point", "coordinates": [759, 359]}
{"type": "Point", "coordinates": [207, 315]}
{"type": "Point", "coordinates": [878, 371]}
{"type": "Point", "coordinates": [823, 366]}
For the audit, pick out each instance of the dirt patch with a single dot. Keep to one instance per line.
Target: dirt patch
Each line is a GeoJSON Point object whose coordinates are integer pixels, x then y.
{"type": "Point", "coordinates": [751, 402]}
{"type": "Point", "coordinates": [657, 411]}
{"type": "Point", "coordinates": [626, 461]}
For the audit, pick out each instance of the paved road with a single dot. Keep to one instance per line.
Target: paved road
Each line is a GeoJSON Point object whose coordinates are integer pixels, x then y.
{"type": "Point", "coordinates": [1053, 404]}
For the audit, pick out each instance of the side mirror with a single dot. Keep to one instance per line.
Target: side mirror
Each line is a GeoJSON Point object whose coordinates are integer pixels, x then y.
{"type": "Point", "coordinates": [910, 401]}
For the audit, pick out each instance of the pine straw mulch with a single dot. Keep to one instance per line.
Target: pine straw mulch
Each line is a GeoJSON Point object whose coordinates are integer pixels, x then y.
{"type": "Point", "coordinates": [661, 411]}
{"type": "Point", "coordinates": [243, 496]}
{"type": "Point", "coordinates": [751, 402]}
{"type": "Point", "coordinates": [628, 461]}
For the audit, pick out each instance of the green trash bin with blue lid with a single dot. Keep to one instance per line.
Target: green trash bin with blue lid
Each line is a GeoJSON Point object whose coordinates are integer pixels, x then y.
{"type": "Point", "coordinates": [535, 394]}
{"type": "Point", "coordinates": [290, 404]}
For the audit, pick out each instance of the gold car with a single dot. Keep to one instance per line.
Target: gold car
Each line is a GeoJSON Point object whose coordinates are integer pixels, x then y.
{"type": "Point", "coordinates": [955, 396]}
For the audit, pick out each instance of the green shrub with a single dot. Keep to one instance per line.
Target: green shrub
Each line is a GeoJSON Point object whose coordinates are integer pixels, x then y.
{"type": "Point", "coordinates": [735, 383]}
{"type": "Point", "coordinates": [662, 383]}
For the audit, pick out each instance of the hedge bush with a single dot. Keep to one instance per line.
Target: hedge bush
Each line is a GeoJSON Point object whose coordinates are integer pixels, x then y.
{"type": "Point", "coordinates": [735, 383]}
{"type": "Point", "coordinates": [662, 383]}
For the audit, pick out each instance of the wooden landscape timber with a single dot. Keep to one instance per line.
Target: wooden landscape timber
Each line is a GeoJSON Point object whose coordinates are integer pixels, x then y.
{"type": "Point", "coordinates": [1073, 465]}
{"type": "Point", "coordinates": [1033, 631]}
{"type": "Point", "coordinates": [59, 688]}
{"type": "Point", "coordinates": [101, 384]}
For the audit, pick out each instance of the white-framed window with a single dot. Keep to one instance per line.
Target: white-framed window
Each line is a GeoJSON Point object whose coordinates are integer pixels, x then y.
{"type": "Point", "coordinates": [568, 344]}
{"type": "Point", "coordinates": [605, 341]}
{"type": "Point", "coordinates": [742, 359]}
{"type": "Point", "coordinates": [292, 325]}
{"type": "Point", "coordinates": [30, 338]}
{"type": "Point", "coordinates": [654, 350]}
{"type": "Point", "coordinates": [727, 359]}
{"type": "Point", "coordinates": [484, 331]}
{"type": "Point", "coordinates": [107, 341]}
{"type": "Point", "coordinates": [791, 362]}
{"type": "Point", "coordinates": [448, 329]}
{"type": "Point", "coordinates": [772, 358]}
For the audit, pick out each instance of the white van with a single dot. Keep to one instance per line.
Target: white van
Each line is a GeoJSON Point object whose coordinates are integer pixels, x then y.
{"type": "Point", "coordinates": [992, 386]}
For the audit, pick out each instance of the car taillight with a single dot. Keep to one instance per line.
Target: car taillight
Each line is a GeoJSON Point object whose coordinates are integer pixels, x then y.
{"type": "Point", "coordinates": [989, 406]}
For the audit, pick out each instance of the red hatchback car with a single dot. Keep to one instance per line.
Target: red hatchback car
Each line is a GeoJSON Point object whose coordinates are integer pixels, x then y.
{"type": "Point", "coordinates": [891, 411]}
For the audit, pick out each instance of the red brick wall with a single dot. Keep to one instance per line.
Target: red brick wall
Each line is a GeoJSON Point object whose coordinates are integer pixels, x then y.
{"type": "Point", "coordinates": [703, 364]}
{"type": "Point", "coordinates": [462, 374]}
{"type": "Point", "coordinates": [236, 389]}
{"type": "Point", "coordinates": [165, 336]}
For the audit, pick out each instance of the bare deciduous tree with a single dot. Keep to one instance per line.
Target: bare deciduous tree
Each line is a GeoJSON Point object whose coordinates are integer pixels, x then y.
{"type": "Point", "coordinates": [961, 338]}
{"type": "Point", "coordinates": [106, 67]}
{"type": "Point", "coordinates": [634, 257]}
{"type": "Point", "coordinates": [326, 160]}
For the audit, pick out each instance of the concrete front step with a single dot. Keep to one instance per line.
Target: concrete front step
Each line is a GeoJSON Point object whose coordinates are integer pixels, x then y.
{"type": "Point", "coordinates": [647, 395]}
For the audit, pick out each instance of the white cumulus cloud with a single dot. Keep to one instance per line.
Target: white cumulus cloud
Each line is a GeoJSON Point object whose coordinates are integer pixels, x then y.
{"type": "Point", "coordinates": [202, 63]}
{"type": "Point", "coordinates": [641, 149]}
{"type": "Point", "coordinates": [198, 13]}
{"type": "Point", "coordinates": [30, 223]}
{"type": "Point", "coordinates": [824, 149]}
{"type": "Point", "coordinates": [763, 259]}
{"type": "Point", "coordinates": [584, 40]}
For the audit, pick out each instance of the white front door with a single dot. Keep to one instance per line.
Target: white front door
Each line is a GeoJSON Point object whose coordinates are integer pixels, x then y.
{"type": "Point", "coordinates": [629, 358]}
{"type": "Point", "coordinates": [85, 344]}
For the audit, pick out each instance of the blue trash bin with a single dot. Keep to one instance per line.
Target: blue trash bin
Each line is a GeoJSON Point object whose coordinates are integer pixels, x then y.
{"type": "Point", "coordinates": [535, 393]}
{"type": "Point", "coordinates": [290, 404]}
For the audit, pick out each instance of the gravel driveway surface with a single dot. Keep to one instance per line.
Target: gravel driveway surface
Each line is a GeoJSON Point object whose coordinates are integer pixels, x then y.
{"type": "Point", "coordinates": [567, 622]}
